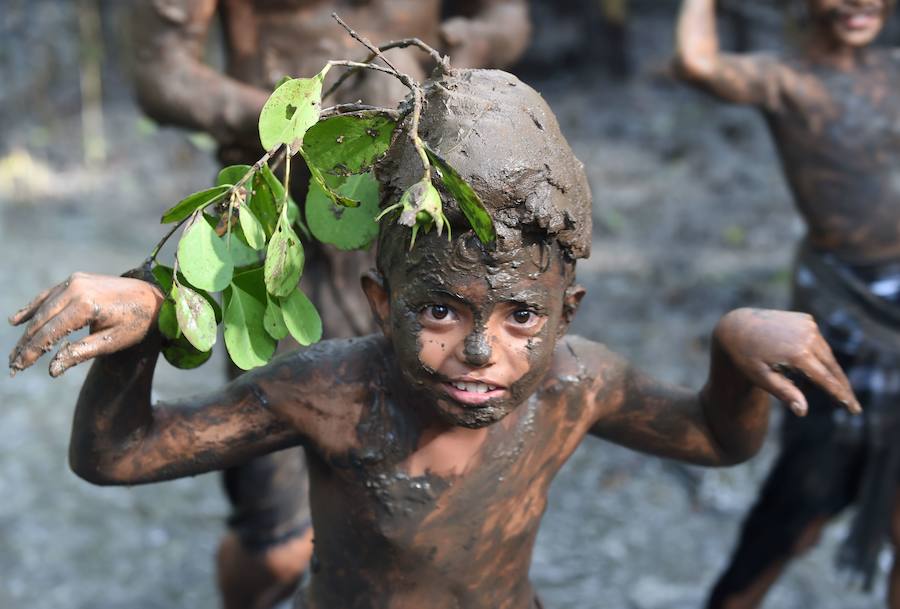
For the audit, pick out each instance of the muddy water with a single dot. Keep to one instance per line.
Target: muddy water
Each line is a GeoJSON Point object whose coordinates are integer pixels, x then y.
{"type": "Point", "coordinates": [691, 219]}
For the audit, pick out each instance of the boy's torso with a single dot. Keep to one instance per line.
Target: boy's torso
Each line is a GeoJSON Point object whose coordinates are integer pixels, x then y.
{"type": "Point", "coordinates": [838, 134]}
{"type": "Point", "coordinates": [387, 536]}
{"type": "Point", "coordinates": [297, 37]}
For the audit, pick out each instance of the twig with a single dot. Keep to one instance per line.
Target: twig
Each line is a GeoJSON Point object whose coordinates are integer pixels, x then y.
{"type": "Point", "coordinates": [344, 109]}
{"type": "Point", "coordinates": [365, 42]}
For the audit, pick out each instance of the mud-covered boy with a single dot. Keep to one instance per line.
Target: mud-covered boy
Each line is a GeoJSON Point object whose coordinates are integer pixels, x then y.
{"type": "Point", "coordinates": [832, 109]}
{"type": "Point", "coordinates": [432, 445]}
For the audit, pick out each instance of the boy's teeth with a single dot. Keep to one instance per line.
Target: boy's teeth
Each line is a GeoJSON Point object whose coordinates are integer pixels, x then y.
{"type": "Point", "coordinates": [473, 387]}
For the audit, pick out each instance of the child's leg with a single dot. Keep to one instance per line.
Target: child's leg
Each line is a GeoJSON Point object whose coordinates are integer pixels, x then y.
{"type": "Point", "coordinates": [814, 478]}
{"type": "Point", "coordinates": [269, 544]}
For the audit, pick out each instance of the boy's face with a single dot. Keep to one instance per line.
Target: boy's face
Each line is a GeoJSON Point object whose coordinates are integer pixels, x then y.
{"type": "Point", "coordinates": [853, 23]}
{"type": "Point", "coordinates": [474, 335]}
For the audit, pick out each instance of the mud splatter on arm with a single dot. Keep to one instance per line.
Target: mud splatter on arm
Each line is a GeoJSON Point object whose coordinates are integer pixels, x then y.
{"type": "Point", "coordinates": [175, 86]}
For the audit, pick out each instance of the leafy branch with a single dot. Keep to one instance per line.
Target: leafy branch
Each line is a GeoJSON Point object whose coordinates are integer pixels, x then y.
{"type": "Point", "coordinates": [240, 237]}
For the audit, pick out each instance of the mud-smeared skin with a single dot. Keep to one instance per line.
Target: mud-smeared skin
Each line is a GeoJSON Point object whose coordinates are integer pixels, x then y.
{"type": "Point", "coordinates": [400, 521]}
{"type": "Point", "coordinates": [266, 40]}
{"type": "Point", "coordinates": [834, 116]}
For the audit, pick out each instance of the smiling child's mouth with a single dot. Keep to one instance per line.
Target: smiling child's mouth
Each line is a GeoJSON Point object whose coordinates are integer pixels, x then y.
{"type": "Point", "coordinates": [472, 393]}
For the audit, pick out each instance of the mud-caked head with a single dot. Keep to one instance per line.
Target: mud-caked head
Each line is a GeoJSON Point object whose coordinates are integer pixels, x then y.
{"type": "Point", "coordinates": [474, 325]}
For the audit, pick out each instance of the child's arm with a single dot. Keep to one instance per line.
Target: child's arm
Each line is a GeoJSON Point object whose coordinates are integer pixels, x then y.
{"type": "Point", "coordinates": [174, 84]}
{"type": "Point", "coordinates": [495, 34]}
{"type": "Point", "coordinates": [118, 437]}
{"type": "Point", "coordinates": [726, 422]}
{"type": "Point", "coordinates": [759, 80]}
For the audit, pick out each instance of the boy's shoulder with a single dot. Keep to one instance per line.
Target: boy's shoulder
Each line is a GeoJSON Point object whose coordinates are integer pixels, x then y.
{"type": "Point", "coordinates": [584, 363]}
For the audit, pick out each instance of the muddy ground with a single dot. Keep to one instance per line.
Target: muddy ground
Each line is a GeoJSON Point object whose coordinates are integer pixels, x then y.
{"type": "Point", "coordinates": [692, 219]}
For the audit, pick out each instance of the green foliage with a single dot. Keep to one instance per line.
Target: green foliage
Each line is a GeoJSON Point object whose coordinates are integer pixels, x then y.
{"type": "Point", "coordinates": [301, 318]}
{"type": "Point", "coordinates": [292, 109]}
{"type": "Point", "coordinates": [258, 261]}
{"type": "Point", "coordinates": [192, 203]}
{"type": "Point", "coordinates": [466, 197]}
{"type": "Point", "coordinates": [273, 320]}
{"type": "Point", "coordinates": [246, 339]}
{"type": "Point", "coordinates": [232, 174]}
{"type": "Point", "coordinates": [204, 258]}
{"type": "Point", "coordinates": [347, 228]}
{"type": "Point", "coordinates": [284, 259]}
{"type": "Point", "coordinates": [253, 231]}
{"type": "Point", "coordinates": [195, 316]}
{"type": "Point", "coordinates": [350, 144]}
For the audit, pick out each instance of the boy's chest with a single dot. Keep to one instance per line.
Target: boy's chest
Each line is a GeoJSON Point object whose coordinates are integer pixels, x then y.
{"type": "Point", "coordinates": [861, 115]}
{"type": "Point", "coordinates": [496, 495]}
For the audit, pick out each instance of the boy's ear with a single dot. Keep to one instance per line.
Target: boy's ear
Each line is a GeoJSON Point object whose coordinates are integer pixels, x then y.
{"type": "Point", "coordinates": [571, 300]}
{"type": "Point", "coordinates": [379, 300]}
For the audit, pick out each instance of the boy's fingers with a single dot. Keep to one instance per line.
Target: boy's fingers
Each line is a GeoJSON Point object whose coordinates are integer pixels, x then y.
{"type": "Point", "coordinates": [785, 391]}
{"type": "Point", "coordinates": [816, 371]}
{"type": "Point", "coordinates": [50, 333]}
{"type": "Point", "coordinates": [826, 356]}
{"type": "Point", "coordinates": [93, 345]}
{"type": "Point", "coordinates": [50, 309]}
{"type": "Point", "coordinates": [25, 313]}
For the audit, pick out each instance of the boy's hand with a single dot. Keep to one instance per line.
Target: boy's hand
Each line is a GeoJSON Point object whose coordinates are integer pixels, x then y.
{"type": "Point", "coordinates": [765, 345]}
{"type": "Point", "coordinates": [119, 311]}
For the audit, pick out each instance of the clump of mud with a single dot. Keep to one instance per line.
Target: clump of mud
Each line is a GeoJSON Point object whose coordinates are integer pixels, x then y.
{"type": "Point", "coordinates": [504, 140]}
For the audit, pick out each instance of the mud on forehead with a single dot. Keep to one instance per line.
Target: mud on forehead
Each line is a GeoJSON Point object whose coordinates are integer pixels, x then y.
{"type": "Point", "coordinates": [465, 257]}
{"type": "Point", "coordinates": [504, 140]}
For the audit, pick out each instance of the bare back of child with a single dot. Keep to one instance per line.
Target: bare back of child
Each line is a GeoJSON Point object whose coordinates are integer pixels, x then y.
{"type": "Point", "coordinates": [432, 446]}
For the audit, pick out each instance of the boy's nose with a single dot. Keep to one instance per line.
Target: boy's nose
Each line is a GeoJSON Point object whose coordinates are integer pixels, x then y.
{"type": "Point", "coordinates": [477, 349]}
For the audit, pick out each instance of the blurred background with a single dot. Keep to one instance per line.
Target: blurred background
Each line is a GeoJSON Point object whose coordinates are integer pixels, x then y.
{"type": "Point", "coordinates": [692, 218]}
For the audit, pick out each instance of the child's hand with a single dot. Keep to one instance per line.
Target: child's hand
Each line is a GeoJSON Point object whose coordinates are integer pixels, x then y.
{"type": "Point", "coordinates": [119, 311]}
{"type": "Point", "coordinates": [765, 345]}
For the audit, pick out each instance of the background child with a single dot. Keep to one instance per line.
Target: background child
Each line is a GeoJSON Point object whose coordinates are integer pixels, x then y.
{"type": "Point", "coordinates": [835, 122]}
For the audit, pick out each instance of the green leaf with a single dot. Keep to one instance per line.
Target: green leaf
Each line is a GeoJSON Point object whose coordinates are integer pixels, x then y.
{"type": "Point", "coordinates": [204, 258]}
{"type": "Point", "coordinates": [274, 321]}
{"type": "Point", "coordinates": [163, 276]}
{"type": "Point", "coordinates": [182, 354]}
{"type": "Point", "coordinates": [246, 339]}
{"type": "Point", "coordinates": [168, 320]}
{"type": "Point", "coordinates": [322, 181]}
{"type": "Point", "coordinates": [347, 228]}
{"type": "Point", "coordinates": [292, 109]}
{"type": "Point", "coordinates": [196, 317]}
{"type": "Point", "coordinates": [242, 254]}
{"type": "Point", "coordinates": [301, 318]}
{"type": "Point", "coordinates": [252, 229]}
{"type": "Point", "coordinates": [349, 144]}
{"type": "Point", "coordinates": [192, 203]}
{"type": "Point", "coordinates": [232, 175]}
{"type": "Point", "coordinates": [284, 259]}
{"type": "Point", "coordinates": [263, 202]}
{"type": "Point", "coordinates": [276, 187]}
{"type": "Point", "coordinates": [467, 199]}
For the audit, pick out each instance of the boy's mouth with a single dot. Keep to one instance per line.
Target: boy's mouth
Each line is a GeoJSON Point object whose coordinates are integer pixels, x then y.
{"type": "Point", "coordinates": [860, 18]}
{"type": "Point", "coordinates": [473, 392]}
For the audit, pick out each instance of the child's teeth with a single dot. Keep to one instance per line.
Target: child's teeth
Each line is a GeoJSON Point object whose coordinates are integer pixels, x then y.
{"type": "Point", "coordinates": [474, 387]}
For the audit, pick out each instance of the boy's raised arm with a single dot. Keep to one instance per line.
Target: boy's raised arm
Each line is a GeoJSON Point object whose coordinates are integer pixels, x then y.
{"type": "Point", "coordinates": [175, 86]}
{"type": "Point", "coordinates": [745, 79]}
{"type": "Point", "coordinates": [726, 422]}
{"type": "Point", "coordinates": [118, 436]}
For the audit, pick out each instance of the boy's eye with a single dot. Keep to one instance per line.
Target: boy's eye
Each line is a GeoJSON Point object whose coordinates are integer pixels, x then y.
{"type": "Point", "coordinates": [437, 312]}
{"type": "Point", "coordinates": [522, 316]}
